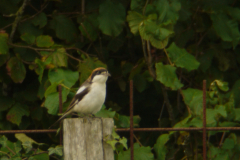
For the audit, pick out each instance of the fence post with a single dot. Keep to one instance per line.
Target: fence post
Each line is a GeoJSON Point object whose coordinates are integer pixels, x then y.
{"type": "Point", "coordinates": [83, 138]}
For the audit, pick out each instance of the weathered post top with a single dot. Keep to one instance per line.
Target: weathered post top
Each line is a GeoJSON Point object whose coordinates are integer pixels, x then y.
{"type": "Point", "coordinates": [83, 139]}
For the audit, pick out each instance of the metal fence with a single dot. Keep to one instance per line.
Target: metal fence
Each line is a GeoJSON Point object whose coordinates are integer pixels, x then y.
{"type": "Point", "coordinates": [204, 129]}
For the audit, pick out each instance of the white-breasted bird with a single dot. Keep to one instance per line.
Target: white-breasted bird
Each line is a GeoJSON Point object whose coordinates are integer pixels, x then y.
{"type": "Point", "coordinates": [90, 95]}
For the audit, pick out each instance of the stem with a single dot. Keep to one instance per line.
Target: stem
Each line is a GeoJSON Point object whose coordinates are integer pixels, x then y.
{"type": "Point", "coordinates": [165, 51]}
{"type": "Point", "coordinates": [17, 19]}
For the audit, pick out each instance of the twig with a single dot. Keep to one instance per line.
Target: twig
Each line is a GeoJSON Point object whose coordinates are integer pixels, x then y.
{"type": "Point", "coordinates": [10, 150]}
{"type": "Point", "coordinates": [6, 154]}
{"type": "Point", "coordinates": [165, 51]}
{"type": "Point", "coordinates": [160, 116]}
{"type": "Point", "coordinates": [73, 57]}
{"type": "Point", "coordinates": [137, 140]}
{"type": "Point", "coordinates": [222, 138]}
{"type": "Point", "coordinates": [17, 19]}
{"type": "Point", "coordinates": [29, 47]}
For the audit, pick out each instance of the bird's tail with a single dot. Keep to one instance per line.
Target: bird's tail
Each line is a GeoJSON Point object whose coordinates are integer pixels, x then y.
{"type": "Point", "coordinates": [63, 116]}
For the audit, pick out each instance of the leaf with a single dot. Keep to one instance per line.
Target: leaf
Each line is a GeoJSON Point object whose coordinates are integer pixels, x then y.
{"type": "Point", "coordinates": [52, 101]}
{"type": "Point", "coordinates": [3, 141]}
{"type": "Point", "coordinates": [30, 39]}
{"type": "Point", "coordinates": [160, 148]}
{"type": "Point", "coordinates": [206, 60]}
{"type": "Point", "coordinates": [3, 43]}
{"type": "Point", "coordinates": [181, 58]}
{"type": "Point", "coordinates": [27, 146]}
{"type": "Point", "coordinates": [182, 123]}
{"type": "Point", "coordinates": [58, 150]}
{"type": "Point", "coordinates": [228, 144]}
{"type": "Point", "coordinates": [225, 28]}
{"type": "Point", "coordinates": [44, 41]}
{"type": "Point", "coordinates": [124, 121]}
{"type": "Point", "coordinates": [40, 20]}
{"type": "Point", "coordinates": [43, 156]}
{"type": "Point", "coordinates": [59, 58]}
{"type": "Point", "coordinates": [193, 98]}
{"type": "Point", "coordinates": [134, 20]}
{"type": "Point", "coordinates": [16, 70]}
{"type": "Point", "coordinates": [111, 18]}
{"type": "Point", "coordinates": [105, 113]}
{"type": "Point", "coordinates": [89, 28]}
{"type": "Point", "coordinates": [16, 112]}
{"type": "Point", "coordinates": [64, 76]}
{"type": "Point", "coordinates": [166, 75]}
{"type": "Point", "coordinates": [24, 138]}
{"type": "Point", "coordinates": [220, 109]}
{"type": "Point", "coordinates": [6, 102]}
{"type": "Point", "coordinates": [140, 153]}
{"type": "Point", "coordinates": [64, 28]}
{"type": "Point", "coordinates": [3, 59]}
{"type": "Point", "coordinates": [221, 85]}
{"type": "Point", "coordinates": [137, 5]}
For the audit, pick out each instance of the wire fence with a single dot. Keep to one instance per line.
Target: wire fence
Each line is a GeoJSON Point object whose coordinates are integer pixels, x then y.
{"type": "Point", "coordinates": [204, 129]}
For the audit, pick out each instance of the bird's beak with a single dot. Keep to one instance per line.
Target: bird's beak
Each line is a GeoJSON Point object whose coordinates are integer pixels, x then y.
{"type": "Point", "coordinates": [109, 75]}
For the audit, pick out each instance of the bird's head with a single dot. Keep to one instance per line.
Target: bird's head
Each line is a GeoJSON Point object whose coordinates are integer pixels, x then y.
{"type": "Point", "coordinates": [99, 75]}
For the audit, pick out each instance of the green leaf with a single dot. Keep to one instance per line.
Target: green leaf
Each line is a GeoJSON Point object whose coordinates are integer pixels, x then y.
{"type": "Point", "coordinates": [58, 150]}
{"type": "Point", "coordinates": [111, 18]}
{"type": "Point", "coordinates": [40, 69]}
{"type": "Point", "coordinates": [30, 39]}
{"type": "Point", "coordinates": [124, 121]}
{"type": "Point", "coordinates": [182, 123]}
{"type": "Point", "coordinates": [27, 146]}
{"type": "Point", "coordinates": [137, 5]}
{"type": "Point", "coordinates": [220, 109]}
{"type": "Point", "coordinates": [3, 141]}
{"type": "Point", "coordinates": [44, 41]}
{"type": "Point", "coordinates": [160, 148]}
{"type": "Point", "coordinates": [59, 57]}
{"type": "Point", "coordinates": [16, 112]}
{"type": "Point", "coordinates": [24, 138]}
{"type": "Point", "coordinates": [17, 147]}
{"type": "Point", "coordinates": [89, 28]}
{"type": "Point", "coordinates": [3, 59]}
{"type": "Point", "coordinates": [140, 153]}
{"type": "Point", "coordinates": [105, 113]}
{"type": "Point", "coordinates": [221, 85]}
{"type": "Point", "coordinates": [193, 98]}
{"type": "Point", "coordinates": [40, 20]}
{"type": "Point", "coordinates": [64, 28]}
{"type": "Point", "coordinates": [3, 43]}
{"type": "Point", "coordinates": [227, 29]}
{"type": "Point", "coordinates": [52, 101]}
{"type": "Point", "coordinates": [64, 76]}
{"type": "Point", "coordinates": [6, 102]}
{"type": "Point", "coordinates": [43, 156]}
{"type": "Point", "coordinates": [206, 60]}
{"type": "Point", "coordinates": [16, 70]}
{"type": "Point", "coordinates": [166, 75]}
{"type": "Point", "coordinates": [134, 20]}
{"type": "Point", "coordinates": [228, 144]}
{"type": "Point", "coordinates": [181, 58]}
{"type": "Point", "coordinates": [28, 27]}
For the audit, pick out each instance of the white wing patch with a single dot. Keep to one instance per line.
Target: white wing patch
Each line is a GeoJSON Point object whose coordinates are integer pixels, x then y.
{"type": "Point", "coordinates": [81, 89]}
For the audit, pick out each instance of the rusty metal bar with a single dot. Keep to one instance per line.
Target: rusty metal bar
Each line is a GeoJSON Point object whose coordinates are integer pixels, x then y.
{"type": "Point", "coordinates": [60, 111]}
{"type": "Point", "coordinates": [131, 119]}
{"type": "Point", "coordinates": [204, 122]}
{"type": "Point", "coordinates": [28, 131]}
{"type": "Point", "coordinates": [128, 129]}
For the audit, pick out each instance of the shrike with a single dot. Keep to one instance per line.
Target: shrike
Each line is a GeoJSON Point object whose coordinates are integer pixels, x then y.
{"type": "Point", "coordinates": [90, 96]}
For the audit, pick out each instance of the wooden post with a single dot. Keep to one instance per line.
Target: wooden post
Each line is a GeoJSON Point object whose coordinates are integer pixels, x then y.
{"type": "Point", "coordinates": [83, 139]}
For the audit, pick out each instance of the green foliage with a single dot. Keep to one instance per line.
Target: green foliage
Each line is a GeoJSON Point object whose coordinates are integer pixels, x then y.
{"type": "Point", "coordinates": [166, 47]}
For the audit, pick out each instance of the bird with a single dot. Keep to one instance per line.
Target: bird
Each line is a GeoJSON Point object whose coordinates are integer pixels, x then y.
{"type": "Point", "coordinates": [90, 96]}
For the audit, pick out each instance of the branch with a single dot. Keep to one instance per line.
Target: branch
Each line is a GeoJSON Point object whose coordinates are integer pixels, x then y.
{"type": "Point", "coordinates": [17, 19]}
{"type": "Point", "coordinates": [165, 51]}
{"type": "Point", "coordinates": [29, 47]}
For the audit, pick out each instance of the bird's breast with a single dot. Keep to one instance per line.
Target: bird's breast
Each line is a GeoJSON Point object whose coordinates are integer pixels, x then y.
{"type": "Point", "coordinates": [93, 100]}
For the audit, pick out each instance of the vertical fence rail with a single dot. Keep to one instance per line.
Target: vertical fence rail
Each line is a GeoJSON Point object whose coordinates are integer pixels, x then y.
{"type": "Point", "coordinates": [60, 111]}
{"type": "Point", "coordinates": [131, 118]}
{"type": "Point", "coordinates": [204, 122]}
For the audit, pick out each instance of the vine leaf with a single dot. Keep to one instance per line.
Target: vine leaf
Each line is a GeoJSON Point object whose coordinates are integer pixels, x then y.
{"type": "Point", "coordinates": [159, 147]}
{"type": "Point", "coordinates": [111, 18]}
{"type": "Point", "coordinates": [3, 43]}
{"type": "Point", "coordinates": [44, 41]}
{"type": "Point", "coordinates": [16, 70]}
{"type": "Point", "coordinates": [181, 58]}
{"type": "Point", "coordinates": [16, 112]}
{"type": "Point", "coordinates": [166, 75]}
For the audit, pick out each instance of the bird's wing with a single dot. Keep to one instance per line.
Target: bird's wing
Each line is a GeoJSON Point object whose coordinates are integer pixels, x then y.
{"type": "Point", "coordinates": [78, 97]}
